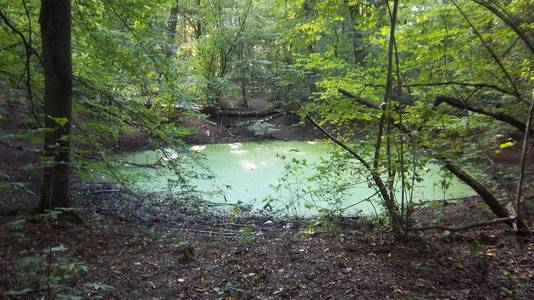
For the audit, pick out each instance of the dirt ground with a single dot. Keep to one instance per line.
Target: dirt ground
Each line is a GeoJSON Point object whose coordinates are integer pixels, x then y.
{"type": "Point", "coordinates": [142, 262]}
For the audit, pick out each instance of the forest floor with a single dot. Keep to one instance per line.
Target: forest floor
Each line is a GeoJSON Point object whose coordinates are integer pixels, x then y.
{"type": "Point", "coordinates": [187, 254]}
{"type": "Point", "coordinates": [142, 261]}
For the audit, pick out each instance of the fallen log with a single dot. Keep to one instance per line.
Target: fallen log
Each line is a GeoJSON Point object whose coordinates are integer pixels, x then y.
{"type": "Point", "coordinates": [214, 112]}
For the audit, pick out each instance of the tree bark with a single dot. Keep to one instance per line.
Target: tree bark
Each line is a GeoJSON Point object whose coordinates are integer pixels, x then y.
{"type": "Point", "coordinates": [55, 20]}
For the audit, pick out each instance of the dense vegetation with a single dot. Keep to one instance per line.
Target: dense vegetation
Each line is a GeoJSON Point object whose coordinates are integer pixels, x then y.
{"type": "Point", "coordinates": [396, 85]}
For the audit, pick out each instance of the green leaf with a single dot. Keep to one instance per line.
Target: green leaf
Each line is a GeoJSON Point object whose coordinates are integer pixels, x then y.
{"type": "Point", "coordinates": [61, 121]}
{"type": "Point", "coordinates": [506, 145]}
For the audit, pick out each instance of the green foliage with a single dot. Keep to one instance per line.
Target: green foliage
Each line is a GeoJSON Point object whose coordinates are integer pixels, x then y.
{"type": "Point", "coordinates": [52, 272]}
{"type": "Point", "coordinates": [246, 236]}
{"type": "Point", "coordinates": [261, 128]}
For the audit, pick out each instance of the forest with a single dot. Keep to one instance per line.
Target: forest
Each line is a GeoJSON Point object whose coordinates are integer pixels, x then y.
{"type": "Point", "coordinates": [266, 149]}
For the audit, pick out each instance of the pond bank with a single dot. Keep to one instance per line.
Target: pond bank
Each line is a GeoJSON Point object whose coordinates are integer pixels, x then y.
{"type": "Point", "coordinates": [232, 129]}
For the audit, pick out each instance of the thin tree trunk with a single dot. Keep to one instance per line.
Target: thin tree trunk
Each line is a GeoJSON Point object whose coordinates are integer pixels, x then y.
{"type": "Point", "coordinates": [389, 201]}
{"type": "Point", "coordinates": [357, 51]}
{"type": "Point", "coordinates": [519, 201]}
{"type": "Point", "coordinates": [171, 30]}
{"type": "Point", "coordinates": [198, 27]}
{"type": "Point", "coordinates": [243, 77]}
{"type": "Point", "coordinates": [55, 20]}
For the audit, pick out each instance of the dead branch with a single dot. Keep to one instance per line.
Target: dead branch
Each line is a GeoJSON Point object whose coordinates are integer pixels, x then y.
{"type": "Point", "coordinates": [20, 148]}
{"type": "Point", "coordinates": [452, 83]}
{"type": "Point", "coordinates": [462, 228]}
{"type": "Point", "coordinates": [455, 102]}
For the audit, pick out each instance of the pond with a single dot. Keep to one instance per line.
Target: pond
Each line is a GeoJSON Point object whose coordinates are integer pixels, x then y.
{"type": "Point", "coordinates": [252, 172]}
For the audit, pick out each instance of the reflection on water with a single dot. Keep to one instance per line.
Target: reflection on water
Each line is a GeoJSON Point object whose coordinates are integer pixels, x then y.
{"type": "Point", "coordinates": [246, 173]}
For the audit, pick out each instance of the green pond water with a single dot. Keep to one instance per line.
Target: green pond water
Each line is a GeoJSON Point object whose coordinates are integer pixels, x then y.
{"type": "Point", "coordinates": [247, 174]}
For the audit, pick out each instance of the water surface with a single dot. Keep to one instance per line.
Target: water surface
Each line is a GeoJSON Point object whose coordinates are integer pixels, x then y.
{"type": "Point", "coordinates": [247, 174]}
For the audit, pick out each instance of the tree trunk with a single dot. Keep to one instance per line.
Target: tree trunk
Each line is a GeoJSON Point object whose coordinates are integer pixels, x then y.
{"type": "Point", "coordinates": [389, 201]}
{"type": "Point", "coordinates": [244, 100]}
{"type": "Point", "coordinates": [171, 30]}
{"type": "Point", "coordinates": [357, 51]}
{"type": "Point", "coordinates": [55, 20]}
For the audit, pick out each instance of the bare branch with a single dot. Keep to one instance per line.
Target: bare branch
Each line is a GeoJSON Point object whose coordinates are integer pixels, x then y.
{"type": "Point", "coordinates": [462, 228]}
{"type": "Point", "coordinates": [497, 60]}
{"type": "Point", "coordinates": [508, 21]}
{"type": "Point", "coordinates": [455, 102]}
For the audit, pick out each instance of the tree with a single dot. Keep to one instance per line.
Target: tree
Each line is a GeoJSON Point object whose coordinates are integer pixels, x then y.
{"type": "Point", "coordinates": [55, 20]}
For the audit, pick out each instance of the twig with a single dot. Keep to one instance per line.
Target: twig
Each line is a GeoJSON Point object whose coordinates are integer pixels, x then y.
{"type": "Point", "coordinates": [359, 202]}
{"type": "Point", "coordinates": [106, 191]}
{"type": "Point", "coordinates": [497, 60]}
{"type": "Point", "coordinates": [506, 19]}
{"type": "Point", "coordinates": [29, 51]}
{"type": "Point", "coordinates": [6, 144]}
{"type": "Point", "coordinates": [462, 228]}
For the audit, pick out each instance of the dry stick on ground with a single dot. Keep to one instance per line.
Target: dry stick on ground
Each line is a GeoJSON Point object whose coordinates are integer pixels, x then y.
{"type": "Point", "coordinates": [519, 200]}
{"type": "Point", "coordinates": [462, 228]}
{"type": "Point", "coordinates": [8, 145]}
{"type": "Point", "coordinates": [481, 190]}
